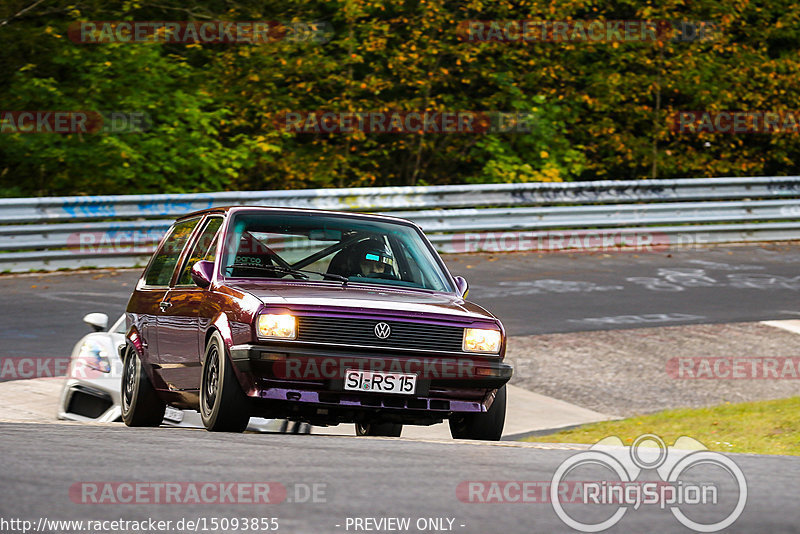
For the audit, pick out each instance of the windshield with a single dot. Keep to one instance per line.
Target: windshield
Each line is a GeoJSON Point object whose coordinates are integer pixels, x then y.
{"type": "Point", "coordinates": [341, 249]}
{"type": "Point", "coordinates": [119, 327]}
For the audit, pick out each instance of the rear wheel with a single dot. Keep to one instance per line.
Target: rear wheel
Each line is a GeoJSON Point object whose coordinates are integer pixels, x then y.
{"type": "Point", "coordinates": [392, 430]}
{"type": "Point", "coordinates": [223, 405]}
{"type": "Point", "coordinates": [486, 426]}
{"type": "Point", "coordinates": [295, 427]}
{"type": "Point", "coordinates": [141, 405]}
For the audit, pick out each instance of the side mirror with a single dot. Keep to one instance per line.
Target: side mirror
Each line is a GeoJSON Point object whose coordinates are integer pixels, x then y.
{"type": "Point", "coordinates": [202, 272]}
{"type": "Point", "coordinates": [98, 321]}
{"type": "Point", "coordinates": [462, 286]}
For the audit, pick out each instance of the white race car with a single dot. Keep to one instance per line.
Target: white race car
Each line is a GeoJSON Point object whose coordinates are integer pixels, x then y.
{"type": "Point", "coordinates": [92, 390]}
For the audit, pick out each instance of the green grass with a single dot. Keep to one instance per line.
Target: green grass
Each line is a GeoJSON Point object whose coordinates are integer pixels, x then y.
{"type": "Point", "coordinates": [765, 427]}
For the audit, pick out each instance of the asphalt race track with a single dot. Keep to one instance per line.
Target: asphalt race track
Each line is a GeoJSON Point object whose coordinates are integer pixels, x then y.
{"type": "Point", "coordinates": [545, 293]}
{"type": "Point", "coordinates": [358, 478]}
{"type": "Point", "coordinates": [354, 477]}
{"type": "Point", "coordinates": [40, 315]}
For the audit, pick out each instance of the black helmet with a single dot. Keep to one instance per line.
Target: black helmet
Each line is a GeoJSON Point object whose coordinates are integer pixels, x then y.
{"type": "Point", "coordinates": [372, 250]}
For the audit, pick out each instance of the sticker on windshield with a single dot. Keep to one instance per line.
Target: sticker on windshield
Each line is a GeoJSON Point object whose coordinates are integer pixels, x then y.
{"type": "Point", "coordinates": [249, 260]}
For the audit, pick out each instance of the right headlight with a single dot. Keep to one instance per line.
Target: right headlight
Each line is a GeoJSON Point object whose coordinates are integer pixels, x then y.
{"type": "Point", "coordinates": [277, 326]}
{"type": "Point", "coordinates": [481, 340]}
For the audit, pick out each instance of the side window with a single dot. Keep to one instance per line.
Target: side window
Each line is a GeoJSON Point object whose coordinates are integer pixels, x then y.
{"type": "Point", "coordinates": [163, 265]}
{"type": "Point", "coordinates": [203, 249]}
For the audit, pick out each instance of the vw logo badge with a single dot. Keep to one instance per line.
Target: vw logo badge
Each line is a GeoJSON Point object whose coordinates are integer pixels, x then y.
{"type": "Point", "coordinates": [382, 330]}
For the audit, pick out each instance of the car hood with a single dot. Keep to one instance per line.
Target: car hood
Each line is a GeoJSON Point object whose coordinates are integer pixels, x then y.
{"type": "Point", "coordinates": [362, 299]}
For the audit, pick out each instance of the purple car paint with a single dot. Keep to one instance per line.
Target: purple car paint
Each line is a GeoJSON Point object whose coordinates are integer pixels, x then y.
{"type": "Point", "coordinates": [314, 316]}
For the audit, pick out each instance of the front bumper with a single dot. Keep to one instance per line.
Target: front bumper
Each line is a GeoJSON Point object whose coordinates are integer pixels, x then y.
{"type": "Point", "coordinates": [90, 400]}
{"type": "Point", "coordinates": [311, 380]}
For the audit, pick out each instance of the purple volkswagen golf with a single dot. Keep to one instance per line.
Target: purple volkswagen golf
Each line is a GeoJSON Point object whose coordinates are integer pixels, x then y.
{"type": "Point", "coordinates": [313, 316]}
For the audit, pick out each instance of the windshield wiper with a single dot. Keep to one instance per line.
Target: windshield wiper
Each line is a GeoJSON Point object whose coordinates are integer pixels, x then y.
{"type": "Point", "coordinates": [288, 270]}
{"type": "Point", "coordinates": [292, 270]}
{"type": "Point", "coordinates": [256, 266]}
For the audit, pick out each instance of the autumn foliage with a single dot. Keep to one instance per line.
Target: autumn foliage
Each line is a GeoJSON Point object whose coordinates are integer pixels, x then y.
{"type": "Point", "coordinates": [595, 108]}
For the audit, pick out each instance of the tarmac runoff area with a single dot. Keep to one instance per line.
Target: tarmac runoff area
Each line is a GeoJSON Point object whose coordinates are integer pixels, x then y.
{"type": "Point", "coordinates": [566, 380]}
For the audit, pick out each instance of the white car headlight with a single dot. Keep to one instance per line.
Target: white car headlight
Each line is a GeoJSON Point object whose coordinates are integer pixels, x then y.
{"type": "Point", "coordinates": [480, 340]}
{"type": "Point", "coordinates": [94, 356]}
{"type": "Point", "coordinates": [277, 326]}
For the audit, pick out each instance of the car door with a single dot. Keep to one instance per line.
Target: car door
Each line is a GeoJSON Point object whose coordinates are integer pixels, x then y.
{"type": "Point", "coordinates": [153, 288]}
{"type": "Point", "coordinates": [178, 322]}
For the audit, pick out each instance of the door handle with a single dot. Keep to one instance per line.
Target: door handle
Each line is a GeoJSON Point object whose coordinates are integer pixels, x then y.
{"type": "Point", "coordinates": [164, 305]}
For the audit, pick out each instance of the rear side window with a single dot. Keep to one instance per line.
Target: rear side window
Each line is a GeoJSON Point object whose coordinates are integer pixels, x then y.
{"type": "Point", "coordinates": [203, 249]}
{"type": "Point", "coordinates": [163, 265]}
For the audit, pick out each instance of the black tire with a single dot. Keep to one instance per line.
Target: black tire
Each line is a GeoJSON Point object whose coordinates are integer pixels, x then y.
{"type": "Point", "coordinates": [299, 428]}
{"type": "Point", "coordinates": [486, 426]}
{"type": "Point", "coordinates": [391, 430]}
{"type": "Point", "coordinates": [141, 405]}
{"type": "Point", "coordinates": [295, 427]}
{"type": "Point", "coordinates": [223, 405]}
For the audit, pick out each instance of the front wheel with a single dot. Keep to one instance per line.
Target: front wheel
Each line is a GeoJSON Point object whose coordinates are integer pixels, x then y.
{"type": "Point", "coordinates": [486, 426]}
{"type": "Point", "coordinates": [392, 430]}
{"type": "Point", "coordinates": [141, 405]}
{"type": "Point", "coordinates": [223, 405]}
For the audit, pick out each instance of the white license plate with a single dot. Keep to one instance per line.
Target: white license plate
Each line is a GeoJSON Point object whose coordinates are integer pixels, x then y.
{"type": "Point", "coordinates": [173, 414]}
{"type": "Point", "coordinates": [373, 381]}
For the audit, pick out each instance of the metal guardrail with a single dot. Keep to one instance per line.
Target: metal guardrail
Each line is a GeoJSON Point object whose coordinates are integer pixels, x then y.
{"type": "Point", "coordinates": [58, 209]}
{"type": "Point", "coordinates": [120, 231]}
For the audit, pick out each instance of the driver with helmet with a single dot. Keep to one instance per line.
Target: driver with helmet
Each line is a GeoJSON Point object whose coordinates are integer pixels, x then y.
{"type": "Point", "coordinates": [370, 258]}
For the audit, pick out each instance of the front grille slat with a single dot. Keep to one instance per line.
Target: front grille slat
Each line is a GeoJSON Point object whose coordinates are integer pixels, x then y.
{"type": "Point", "coordinates": [361, 332]}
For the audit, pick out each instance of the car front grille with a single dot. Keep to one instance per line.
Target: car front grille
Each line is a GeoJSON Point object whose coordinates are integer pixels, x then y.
{"type": "Point", "coordinates": [361, 332]}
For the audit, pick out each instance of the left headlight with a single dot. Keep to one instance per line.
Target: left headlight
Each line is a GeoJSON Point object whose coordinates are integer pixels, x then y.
{"type": "Point", "coordinates": [277, 326]}
{"type": "Point", "coordinates": [480, 340]}
{"type": "Point", "coordinates": [95, 356]}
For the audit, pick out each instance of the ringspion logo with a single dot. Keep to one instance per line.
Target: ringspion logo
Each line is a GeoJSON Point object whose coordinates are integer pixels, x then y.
{"type": "Point", "coordinates": [680, 467]}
